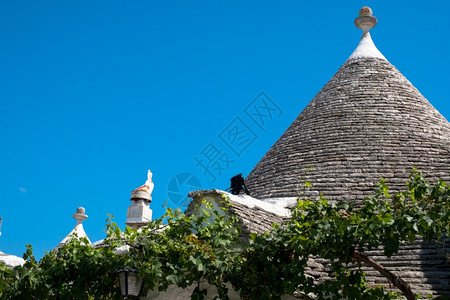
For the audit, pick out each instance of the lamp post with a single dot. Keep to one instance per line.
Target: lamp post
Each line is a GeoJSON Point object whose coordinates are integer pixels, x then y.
{"type": "Point", "coordinates": [130, 283]}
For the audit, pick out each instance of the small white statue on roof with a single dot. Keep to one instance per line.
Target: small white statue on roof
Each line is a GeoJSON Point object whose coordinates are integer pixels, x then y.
{"type": "Point", "coordinates": [149, 182]}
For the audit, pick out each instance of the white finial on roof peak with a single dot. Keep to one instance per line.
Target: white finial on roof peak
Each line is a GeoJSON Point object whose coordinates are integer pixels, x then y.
{"type": "Point", "coordinates": [78, 230]}
{"type": "Point", "coordinates": [80, 216]}
{"type": "Point", "coordinates": [366, 47]}
{"type": "Point", "coordinates": [366, 20]}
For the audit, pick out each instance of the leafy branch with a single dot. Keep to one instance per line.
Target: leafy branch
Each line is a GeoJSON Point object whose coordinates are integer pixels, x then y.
{"type": "Point", "coordinates": [184, 250]}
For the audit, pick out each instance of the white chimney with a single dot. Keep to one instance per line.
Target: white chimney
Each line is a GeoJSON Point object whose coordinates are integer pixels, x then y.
{"type": "Point", "coordinates": [139, 213]}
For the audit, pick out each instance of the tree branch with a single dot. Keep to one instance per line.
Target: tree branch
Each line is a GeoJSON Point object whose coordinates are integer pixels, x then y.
{"type": "Point", "coordinates": [395, 280]}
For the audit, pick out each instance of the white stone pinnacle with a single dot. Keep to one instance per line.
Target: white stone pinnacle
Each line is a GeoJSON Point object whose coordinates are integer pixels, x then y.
{"type": "Point", "coordinates": [80, 216]}
{"type": "Point", "coordinates": [78, 230]}
{"type": "Point", "coordinates": [366, 47]}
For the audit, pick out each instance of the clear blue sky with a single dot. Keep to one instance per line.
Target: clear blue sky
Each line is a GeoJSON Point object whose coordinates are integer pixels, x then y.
{"type": "Point", "coordinates": [94, 93]}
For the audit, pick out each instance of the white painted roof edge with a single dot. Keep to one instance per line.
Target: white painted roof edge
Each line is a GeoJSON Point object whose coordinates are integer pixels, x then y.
{"type": "Point", "coordinates": [79, 231]}
{"type": "Point", "coordinates": [366, 48]}
{"type": "Point", "coordinates": [280, 206]}
{"type": "Point", "coordinates": [11, 260]}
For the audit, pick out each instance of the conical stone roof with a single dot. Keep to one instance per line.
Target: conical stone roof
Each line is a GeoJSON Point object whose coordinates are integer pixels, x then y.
{"type": "Point", "coordinates": [367, 122]}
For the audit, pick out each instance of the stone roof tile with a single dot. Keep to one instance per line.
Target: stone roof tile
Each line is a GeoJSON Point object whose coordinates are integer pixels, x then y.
{"type": "Point", "coordinates": [367, 122]}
